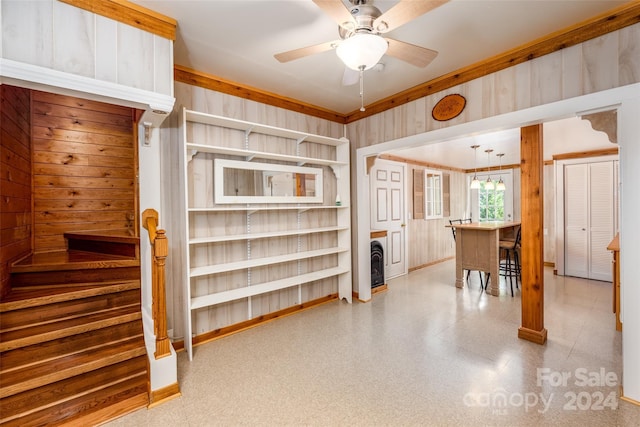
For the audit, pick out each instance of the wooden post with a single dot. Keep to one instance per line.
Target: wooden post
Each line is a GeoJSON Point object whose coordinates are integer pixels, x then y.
{"type": "Point", "coordinates": [159, 252]}
{"type": "Point", "coordinates": [532, 262]}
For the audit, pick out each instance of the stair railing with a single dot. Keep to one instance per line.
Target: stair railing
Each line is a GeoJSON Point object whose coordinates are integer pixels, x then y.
{"type": "Point", "coordinates": [159, 252]}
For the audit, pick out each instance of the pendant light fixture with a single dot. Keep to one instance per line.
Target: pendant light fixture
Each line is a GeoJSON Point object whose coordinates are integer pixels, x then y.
{"type": "Point", "coordinates": [475, 182]}
{"type": "Point", "coordinates": [489, 184]}
{"type": "Point", "coordinates": [500, 184]}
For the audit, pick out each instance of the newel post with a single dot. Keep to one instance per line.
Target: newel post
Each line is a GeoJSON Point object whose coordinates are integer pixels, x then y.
{"type": "Point", "coordinates": [159, 252]}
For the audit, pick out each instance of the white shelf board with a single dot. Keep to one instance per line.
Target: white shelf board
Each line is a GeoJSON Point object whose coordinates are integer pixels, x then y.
{"type": "Point", "coordinates": [262, 288]}
{"type": "Point", "coordinates": [223, 268]}
{"type": "Point", "coordinates": [215, 239]}
{"type": "Point", "coordinates": [264, 208]}
{"type": "Point", "coordinates": [263, 155]}
{"type": "Point", "coordinates": [211, 119]}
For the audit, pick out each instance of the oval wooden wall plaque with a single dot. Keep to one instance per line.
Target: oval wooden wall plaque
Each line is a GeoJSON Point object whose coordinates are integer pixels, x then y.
{"type": "Point", "coordinates": [448, 107]}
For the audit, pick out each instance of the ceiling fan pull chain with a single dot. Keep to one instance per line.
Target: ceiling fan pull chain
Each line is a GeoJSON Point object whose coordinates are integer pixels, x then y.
{"type": "Point", "coordinates": [361, 88]}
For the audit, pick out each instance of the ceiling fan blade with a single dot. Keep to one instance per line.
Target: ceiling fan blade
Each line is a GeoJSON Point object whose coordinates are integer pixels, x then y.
{"type": "Point", "coordinates": [350, 76]}
{"type": "Point", "coordinates": [403, 12]}
{"type": "Point", "coordinates": [338, 12]}
{"type": "Point", "coordinates": [415, 55]}
{"type": "Point", "coordinates": [305, 51]}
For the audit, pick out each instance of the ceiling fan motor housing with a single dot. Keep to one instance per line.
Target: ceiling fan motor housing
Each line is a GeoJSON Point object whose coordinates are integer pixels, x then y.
{"type": "Point", "coordinates": [364, 15]}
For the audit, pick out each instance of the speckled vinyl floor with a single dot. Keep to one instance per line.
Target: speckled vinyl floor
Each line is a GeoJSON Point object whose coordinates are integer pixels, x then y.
{"type": "Point", "coordinates": [421, 354]}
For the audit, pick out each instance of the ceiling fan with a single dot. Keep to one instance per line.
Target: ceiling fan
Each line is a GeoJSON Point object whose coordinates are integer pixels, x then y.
{"type": "Point", "coordinates": [361, 28]}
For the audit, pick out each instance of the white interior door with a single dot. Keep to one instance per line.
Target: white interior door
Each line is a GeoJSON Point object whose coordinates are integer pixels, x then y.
{"type": "Point", "coordinates": [589, 219]}
{"type": "Point", "coordinates": [601, 219]}
{"type": "Point", "coordinates": [388, 212]}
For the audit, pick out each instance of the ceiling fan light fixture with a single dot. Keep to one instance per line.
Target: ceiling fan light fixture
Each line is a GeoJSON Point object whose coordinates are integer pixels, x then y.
{"type": "Point", "coordinates": [362, 51]}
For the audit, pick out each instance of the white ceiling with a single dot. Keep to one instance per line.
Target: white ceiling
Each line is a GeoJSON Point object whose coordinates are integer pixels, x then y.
{"type": "Point", "coordinates": [560, 136]}
{"type": "Point", "coordinates": [236, 40]}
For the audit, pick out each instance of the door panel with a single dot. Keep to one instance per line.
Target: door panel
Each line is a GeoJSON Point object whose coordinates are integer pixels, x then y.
{"type": "Point", "coordinates": [600, 219]}
{"type": "Point", "coordinates": [388, 212]}
{"type": "Point", "coordinates": [589, 219]}
{"type": "Point", "coordinates": [576, 242]}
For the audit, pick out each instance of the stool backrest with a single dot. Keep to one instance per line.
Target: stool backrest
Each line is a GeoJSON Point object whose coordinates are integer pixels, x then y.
{"type": "Point", "coordinates": [457, 221]}
{"type": "Point", "coordinates": [518, 238]}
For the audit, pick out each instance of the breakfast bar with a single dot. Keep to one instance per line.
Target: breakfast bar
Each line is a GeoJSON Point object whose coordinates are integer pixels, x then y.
{"type": "Point", "coordinates": [477, 248]}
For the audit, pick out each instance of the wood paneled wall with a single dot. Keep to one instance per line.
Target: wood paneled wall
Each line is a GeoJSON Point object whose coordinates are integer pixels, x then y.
{"type": "Point", "coordinates": [84, 168]}
{"type": "Point", "coordinates": [15, 179]}
{"type": "Point", "coordinates": [430, 240]}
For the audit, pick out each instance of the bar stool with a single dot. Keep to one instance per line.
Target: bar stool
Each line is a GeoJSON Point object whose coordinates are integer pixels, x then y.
{"type": "Point", "coordinates": [483, 286]}
{"type": "Point", "coordinates": [510, 262]}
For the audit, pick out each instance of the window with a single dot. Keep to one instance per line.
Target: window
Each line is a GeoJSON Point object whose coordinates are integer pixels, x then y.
{"type": "Point", "coordinates": [432, 194]}
{"type": "Point", "coordinates": [491, 204]}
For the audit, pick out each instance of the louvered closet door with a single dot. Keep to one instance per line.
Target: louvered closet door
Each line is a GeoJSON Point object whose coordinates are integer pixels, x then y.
{"type": "Point", "coordinates": [601, 214]}
{"type": "Point", "coordinates": [576, 221]}
{"type": "Point", "coordinates": [589, 219]}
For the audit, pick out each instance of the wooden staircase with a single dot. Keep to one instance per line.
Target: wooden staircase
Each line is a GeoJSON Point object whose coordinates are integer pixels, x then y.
{"type": "Point", "coordinates": [71, 342]}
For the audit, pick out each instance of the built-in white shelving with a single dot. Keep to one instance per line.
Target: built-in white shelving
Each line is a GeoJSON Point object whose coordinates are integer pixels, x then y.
{"type": "Point", "coordinates": [286, 250]}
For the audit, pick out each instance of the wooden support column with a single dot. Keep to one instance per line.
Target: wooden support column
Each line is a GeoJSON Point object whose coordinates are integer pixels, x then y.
{"type": "Point", "coordinates": [531, 168]}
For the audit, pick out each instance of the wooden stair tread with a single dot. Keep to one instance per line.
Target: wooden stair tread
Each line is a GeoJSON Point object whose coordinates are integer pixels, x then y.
{"type": "Point", "coordinates": [74, 344]}
{"type": "Point", "coordinates": [118, 236]}
{"type": "Point", "coordinates": [37, 399]}
{"type": "Point", "coordinates": [54, 330]}
{"type": "Point", "coordinates": [68, 309]}
{"type": "Point", "coordinates": [19, 298]}
{"type": "Point", "coordinates": [47, 372]}
{"type": "Point", "coordinates": [92, 408]}
{"type": "Point", "coordinates": [71, 260]}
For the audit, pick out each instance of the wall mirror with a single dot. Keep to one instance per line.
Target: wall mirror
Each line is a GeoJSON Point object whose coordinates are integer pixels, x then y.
{"type": "Point", "coordinates": [248, 182]}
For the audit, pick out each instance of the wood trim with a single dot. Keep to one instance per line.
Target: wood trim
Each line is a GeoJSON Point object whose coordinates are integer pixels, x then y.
{"type": "Point", "coordinates": [378, 233]}
{"type": "Point", "coordinates": [428, 165]}
{"type": "Point", "coordinates": [356, 296]}
{"type": "Point", "coordinates": [164, 394]}
{"type": "Point", "coordinates": [241, 326]}
{"type": "Point", "coordinates": [549, 264]}
{"type": "Point", "coordinates": [429, 264]}
{"type": "Point", "coordinates": [130, 14]}
{"type": "Point", "coordinates": [584, 154]}
{"type": "Point", "coordinates": [537, 337]}
{"type": "Point", "coordinates": [379, 289]}
{"type": "Point", "coordinates": [208, 81]}
{"type": "Point", "coordinates": [492, 168]}
{"type": "Point", "coordinates": [627, 399]}
{"type": "Point", "coordinates": [615, 19]}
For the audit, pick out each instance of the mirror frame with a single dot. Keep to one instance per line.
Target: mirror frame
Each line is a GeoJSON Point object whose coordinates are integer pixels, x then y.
{"type": "Point", "coordinates": [218, 175]}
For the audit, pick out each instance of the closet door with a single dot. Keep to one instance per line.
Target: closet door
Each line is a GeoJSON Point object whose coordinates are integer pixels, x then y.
{"type": "Point", "coordinates": [601, 219]}
{"type": "Point", "coordinates": [589, 219]}
{"type": "Point", "coordinates": [576, 220]}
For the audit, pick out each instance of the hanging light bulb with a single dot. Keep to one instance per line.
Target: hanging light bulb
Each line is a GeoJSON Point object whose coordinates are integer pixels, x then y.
{"type": "Point", "coordinates": [500, 184]}
{"type": "Point", "coordinates": [475, 182]}
{"type": "Point", "coordinates": [489, 184]}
